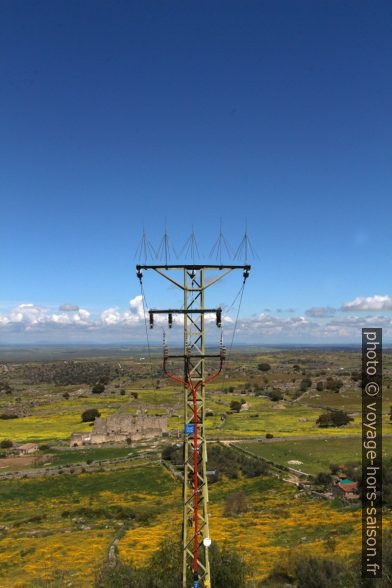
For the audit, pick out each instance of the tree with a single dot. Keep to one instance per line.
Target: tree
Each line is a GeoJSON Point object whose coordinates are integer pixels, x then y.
{"type": "Point", "coordinates": [334, 418]}
{"type": "Point", "coordinates": [98, 388]}
{"type": "Point", "coordinates": [235, 405]}
{"type": "Point", "coordinates": [275, 395]}
{"type": "Point", "coordinates": [333, 385]}
{"type": "Point", "coordinates": [6, 444]}
{"type": "Point", "coordinates": [322, 479]}
{"type": "Point", "coordinates": [264, 367]}
{"type": "Point", "coordinates": [90, 415]}
{"type": "Point", "coordinates": [134, 394]}
{"type": "Point", "coordinates": [305, 384]}
{"type": "Point", "coordinates": [164, 570]}
{"type": "Point", "coordinates": [227, 568]}
{"type": "Point", "coordinates": [5, 387]}
{"type": "Point", "coordinates": [319, 386]}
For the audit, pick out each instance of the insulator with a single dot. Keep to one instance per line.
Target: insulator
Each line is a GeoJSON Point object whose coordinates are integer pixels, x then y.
{"type": "Point", "coordinates": [223, 352]}
{"type": "Point", "coordinates": [165, 351]}
{"type": "Point", "coordinates": [170, 320]}
{"type": "Point", "coordinates": [219, 317]}
{"type": "Point", "coordinates": [150, 312]}
{"type": "Point", "coordinates": [246, 274]}
{"type": "Point", "coordinates": [139, 275]}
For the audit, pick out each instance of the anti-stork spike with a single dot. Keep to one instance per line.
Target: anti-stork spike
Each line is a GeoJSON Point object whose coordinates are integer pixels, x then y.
{"type": "Point", "coordinates": [190, 248]}
{"type": "Point", "coordinates": [245, 248]}
{"type": "Point", "coordinates": [221, 247]}
{"type": "Point", "coordinates": [145, 250]}
{"type": "Point", "coordinates": [165, 249]}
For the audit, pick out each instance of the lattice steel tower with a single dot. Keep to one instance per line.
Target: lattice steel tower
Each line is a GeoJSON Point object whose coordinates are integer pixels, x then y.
{"type": "Point", "coordinates": [195, 524]}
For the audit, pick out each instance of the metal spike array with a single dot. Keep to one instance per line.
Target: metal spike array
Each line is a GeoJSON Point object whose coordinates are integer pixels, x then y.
{"type": "Point", "coordinates": [145, 250]}
{"type": "Point", "coordinates": [245, 248]}
{"type": "Point", "coordinates": [165, 249]}
{"type": "Point", "coordinates": [221, 249]}
{"type": "Point", "coordinates": [190, 248]}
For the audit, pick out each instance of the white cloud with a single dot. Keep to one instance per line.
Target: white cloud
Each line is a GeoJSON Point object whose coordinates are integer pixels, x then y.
{"type": "Point", "coordinates": [30, 322]}
{"type": "Point", "coordinates": [33, 317]}
{"type": "Point", "coordinates": [368, 303]}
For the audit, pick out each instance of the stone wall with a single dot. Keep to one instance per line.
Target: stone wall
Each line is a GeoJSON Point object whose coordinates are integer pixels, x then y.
{"type": "Point", "coordinates": [119, 427]}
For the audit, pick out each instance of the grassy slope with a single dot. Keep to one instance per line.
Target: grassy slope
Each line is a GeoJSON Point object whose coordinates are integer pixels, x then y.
{"type": "Point", "coordinates": [43, 541]}
{"type": "Point", "coordinates": [316, 456]}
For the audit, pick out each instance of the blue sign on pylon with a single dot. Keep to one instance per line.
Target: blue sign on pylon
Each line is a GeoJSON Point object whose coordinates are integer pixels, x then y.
{"type": "Point", "coordinates": [189, 429]}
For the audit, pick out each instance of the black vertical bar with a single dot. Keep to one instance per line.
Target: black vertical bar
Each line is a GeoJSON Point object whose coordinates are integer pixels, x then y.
{"type": "Point", "coordinates": [372, 453]}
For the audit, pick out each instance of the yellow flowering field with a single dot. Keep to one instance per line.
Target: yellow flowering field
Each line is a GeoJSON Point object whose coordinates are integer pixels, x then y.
{"type": "Point", "coordinates": [62, 527]}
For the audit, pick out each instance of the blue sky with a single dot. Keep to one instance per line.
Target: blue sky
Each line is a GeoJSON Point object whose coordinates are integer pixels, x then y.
{"type": "Point", "coordinates": [115, 115]}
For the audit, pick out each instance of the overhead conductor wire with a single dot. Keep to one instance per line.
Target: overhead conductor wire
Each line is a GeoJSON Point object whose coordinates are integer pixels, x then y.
{"type": "Point", "coordinates": [146, 329]}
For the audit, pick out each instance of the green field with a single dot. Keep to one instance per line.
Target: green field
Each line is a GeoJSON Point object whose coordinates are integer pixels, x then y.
{"type": "Point", "coordinates": [316, 455]}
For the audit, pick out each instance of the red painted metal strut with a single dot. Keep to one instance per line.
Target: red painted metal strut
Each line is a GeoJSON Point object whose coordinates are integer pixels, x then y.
{"type": "Point", "coordinates": [194, 388]}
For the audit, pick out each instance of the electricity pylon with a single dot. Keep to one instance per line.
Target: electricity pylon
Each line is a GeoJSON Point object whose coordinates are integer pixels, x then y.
{"type": "Point", "coordinates": [195, 524]}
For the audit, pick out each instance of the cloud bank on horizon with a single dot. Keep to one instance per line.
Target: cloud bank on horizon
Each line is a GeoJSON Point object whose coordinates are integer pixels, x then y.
{"type": "Point", "coordinates": [30, 323]}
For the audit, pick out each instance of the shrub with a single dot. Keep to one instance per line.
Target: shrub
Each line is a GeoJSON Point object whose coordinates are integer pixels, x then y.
{"type": "Point", "coordinates": [227, 568]}
{"type": "Point", "coordinates": [333, 385]}
{"type": "Point", "coordinates": [118, 576]}
{"type": "Point", "coordinates": [314, 572]}
{"type": "Point", "coordinates": [275, 395]}
{"type": "Point", "coordinates": [269, 436]}
{"type": "Point", "coordinates": [8, 415]}
{"type": "Point", "coordinates": [236, 504]}
{"type": "Point", "coordinates": [264, 367]}
{"type": "Point", "coordinates": [122, 392]}
{"type": "Point", "coordinates": [333, 418]}
{"type": "Point", "coordinates": [235, 405]}
{"type": "Point", "coordinates": [98, 388]}
{"type": "Point", "coordinates": [6, 444]}
{"type": "Point", "coordinates": [66, 395]}
{"type": "Point", "coordinates": [90, 415]}
{"type": "Point", "coordinates": [319, 386]}
{"type": "Point", "coordinates": [164, 570]}
{"type": "Point", "coordinates": [134, 394]}
{"type": "Point", "coordinates": [322, 479]}
{"type": "Point", "coordinates": [305, 384]}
